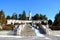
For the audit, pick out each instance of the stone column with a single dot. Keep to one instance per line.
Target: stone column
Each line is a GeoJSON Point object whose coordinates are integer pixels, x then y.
{"type": "Point", "coordinates": [30, 15]}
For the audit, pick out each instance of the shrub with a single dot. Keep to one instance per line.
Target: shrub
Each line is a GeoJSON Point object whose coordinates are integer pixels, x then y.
{"type": "Point", "coordinates": [38, 24]}
{"type": "Point", "coordinates": [55, 27]}
{"type": "Point", "coordinates": [8, 27]}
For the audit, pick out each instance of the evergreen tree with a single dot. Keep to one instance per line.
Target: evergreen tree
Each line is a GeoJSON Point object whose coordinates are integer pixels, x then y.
{"type": "Point", "coordinates": [19, 16]}
{"type": "Point", "coordinates": [8, 17]}
{"type": "Point", "coordinates": [39, 17]}
{"type": "Point", "coordinates": [57, 19]}
{"type": "Point", "coordinates": [50, 22]}
{"type": "Point", "coordinates": [23, 16]}
{"type": "Point", "coordinates": [14, 16]}
{"type": "Point", "coordinates": [56, 24]}
{"type": "Point", "coordinates": [43, 17]}
{"type": "Point", "coordinates": [36, 17]}
{"type": "Point", "coordinates": [2, 17]}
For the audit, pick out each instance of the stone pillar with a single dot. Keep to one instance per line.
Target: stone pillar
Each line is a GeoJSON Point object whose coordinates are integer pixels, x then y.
{"type": "Point", "coordinates": [30, 15]}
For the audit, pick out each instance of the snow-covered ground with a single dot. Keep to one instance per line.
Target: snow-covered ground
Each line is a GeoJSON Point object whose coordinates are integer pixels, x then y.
{"type": "Point", "coordinates": [6, 32]}
{"type": "Point", "coordinates": [39, 36]}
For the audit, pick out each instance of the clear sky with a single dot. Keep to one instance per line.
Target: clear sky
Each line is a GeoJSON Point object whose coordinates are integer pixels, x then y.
{"type": "Point", "coordinates": [47, 7]}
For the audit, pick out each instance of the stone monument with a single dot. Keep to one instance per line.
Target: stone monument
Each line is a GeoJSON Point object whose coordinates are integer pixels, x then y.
{"type": "Point", "coordinates": [30, 15]}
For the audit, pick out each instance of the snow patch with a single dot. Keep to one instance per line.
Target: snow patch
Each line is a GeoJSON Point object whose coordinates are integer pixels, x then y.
{"type": "Point", "coordinates": [57, 35]}
{"type": "Point", "coordinates": [11, 36]}
{"type": "Point", "coordinates": [38, 34]}
{"type": "Point", "coordinates": [47, 38]}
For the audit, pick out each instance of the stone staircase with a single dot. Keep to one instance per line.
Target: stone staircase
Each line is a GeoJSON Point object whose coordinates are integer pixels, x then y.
{"type": "Point", "coordinates": [25, 30]}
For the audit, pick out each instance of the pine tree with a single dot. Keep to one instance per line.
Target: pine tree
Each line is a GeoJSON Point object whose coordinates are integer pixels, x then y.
{"type": "Point", "coordinates": [23, 16]}
{"type": "Point", "coordinates": [2, 18]}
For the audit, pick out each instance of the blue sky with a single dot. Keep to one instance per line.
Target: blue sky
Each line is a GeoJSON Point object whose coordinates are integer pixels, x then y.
{"type": "Point", "coordinates": [45, 7]}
